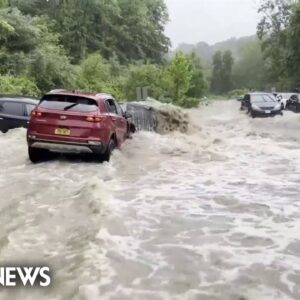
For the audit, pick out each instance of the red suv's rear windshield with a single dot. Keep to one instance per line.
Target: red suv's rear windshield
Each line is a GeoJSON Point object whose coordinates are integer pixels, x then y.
{"type": "Point", "coordinates": [68, 103]}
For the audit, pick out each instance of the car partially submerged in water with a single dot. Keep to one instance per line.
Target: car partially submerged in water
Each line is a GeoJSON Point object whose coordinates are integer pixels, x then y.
{"type": "Point", "coordinates": [286, 99]}
{"type": "Point", "coordinates": [76, 122]}
{"type": "Point", "coordinates": [293, 103]}
{"type": "Point", "coordinates": [261, 105]}
{"type": "Point", "coordinates": [15, 111]}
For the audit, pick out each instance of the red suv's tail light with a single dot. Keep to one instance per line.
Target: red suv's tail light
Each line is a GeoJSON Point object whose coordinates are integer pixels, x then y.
{"type": "Point", "coordinates": [94, 119]}
{"type": "Point", "coordinates": [36, 114]}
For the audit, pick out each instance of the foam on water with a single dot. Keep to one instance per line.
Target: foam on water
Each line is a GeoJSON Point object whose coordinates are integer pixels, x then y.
{"type": "Point", "coordinates": [212, 214]}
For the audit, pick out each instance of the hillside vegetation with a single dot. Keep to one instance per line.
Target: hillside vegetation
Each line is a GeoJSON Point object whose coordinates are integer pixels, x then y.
{"type": "Point", "coordinates": [98, 45]}
{"type": "Point", "coordinates": [263, 62]}
{"type": "Point", "coordinates": [116, 46]}
{"type": "Point", "coordinates": [206, 51]}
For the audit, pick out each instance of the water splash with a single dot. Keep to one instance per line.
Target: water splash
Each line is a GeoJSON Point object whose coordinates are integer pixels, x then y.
{"type": "Point", "coordinates": [212, 214]}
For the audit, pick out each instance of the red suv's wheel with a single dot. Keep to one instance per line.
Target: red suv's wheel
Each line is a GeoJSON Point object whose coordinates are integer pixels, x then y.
{"type": "Point", "coordinates": [110, 148]}
{"type": "Point", "coordinates": [37, 155]}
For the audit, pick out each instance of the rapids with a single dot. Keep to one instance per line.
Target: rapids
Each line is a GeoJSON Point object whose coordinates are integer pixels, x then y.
{"type": "Point", "coordinates": [209, 215]}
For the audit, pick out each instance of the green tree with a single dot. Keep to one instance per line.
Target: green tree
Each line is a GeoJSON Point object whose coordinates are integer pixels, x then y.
{"type": "Point", "coordinates": [28, 47]}
{"type": "Point", "coordinates": [216, 81]}
{"type": "Point", "coordinates": [132, 29]}
{"type": "Point", "coordinates": [222, 72]}
{"type": "Point", "coordinates": [94, 45]}
{"type": "Point", "coordinates": [95, 75]}
{"type": "Point", "coordinates": [140, 75]}
{"type": "Point", "coordinates": [293, 54]}
{"type": "Point", "coordinates": [227, 67]}
{"type": "Point", "coordinates": [3, 3]}
{"type": "Point", "coordinates": [275, 17]}
{"type": "Point", "coordinates": [250, 70]}
{"type": "Point", "coordinates": [179, 76]}
{"type": "Point", "coordinates": [50, 65]}
{"type": "Point", "coordinates": [272, 30]}
{"type": "Point", "coordinates": [198, 82]}
{"type": "Point", "coordinates": [18, 86]}
{"type": "Point", "coordinates": [18, 38]}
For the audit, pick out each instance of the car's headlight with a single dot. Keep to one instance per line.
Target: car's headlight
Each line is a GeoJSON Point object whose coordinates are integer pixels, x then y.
{"type": "Point", "coordinates": [255, 107]}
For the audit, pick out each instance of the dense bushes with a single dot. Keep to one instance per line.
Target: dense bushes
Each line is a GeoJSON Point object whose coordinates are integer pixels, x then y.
{"type": "Point", "coordinates": [18, 86]}
{"type": "Point", "coordinates": [117, 46]}
{"type": "Point", "coordinates": [140, 75]}
{"type": "Point", "coordinates": [113, 47]}
{"type": "Point", "coordinates": [172, 81]}
{"type": "Point", "coordinates": [279, 33]}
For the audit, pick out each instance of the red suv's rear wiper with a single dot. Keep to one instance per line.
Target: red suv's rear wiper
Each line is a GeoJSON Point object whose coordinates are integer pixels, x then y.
{"type": "Point", "coordinates": [71, 106]}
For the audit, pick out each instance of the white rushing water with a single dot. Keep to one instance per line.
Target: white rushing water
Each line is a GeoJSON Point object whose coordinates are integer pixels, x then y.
{"type": "Point", "coordinates": [213, 214]}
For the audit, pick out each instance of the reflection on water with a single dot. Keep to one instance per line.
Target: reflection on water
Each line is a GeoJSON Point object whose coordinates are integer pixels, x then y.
{"type": "Point", "coordinates": [214, 214]}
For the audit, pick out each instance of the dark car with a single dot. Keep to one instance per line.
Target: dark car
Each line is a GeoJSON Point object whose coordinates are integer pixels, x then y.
{"type": "Point", "coordinates": [15, 111]}
{"type": "Point", "coordinates": [76, 122]}
{"type": "Point", "coordinates": [143, 117]}
{"type": "Point", "coordinates": [261, 105]}
{"type": "Point", "coordinates": [293, 103]}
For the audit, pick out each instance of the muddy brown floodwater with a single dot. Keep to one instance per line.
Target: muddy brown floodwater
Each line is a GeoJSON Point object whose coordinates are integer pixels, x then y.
{"type": "Point", "coordinates": [212, 214]}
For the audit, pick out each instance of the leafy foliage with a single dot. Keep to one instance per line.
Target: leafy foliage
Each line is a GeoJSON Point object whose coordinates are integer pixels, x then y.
{"type": "Point", "coordinates": [18, 37]}
{"type": "Point", "coordinates": [95, 74]}
{"type": "Point", "coordinates": [3, 3]}
{"type": "Point", "coordinates": [222, 72]}
{"type": "Point", "coordinates": [140, 75]}
{"type": "Point", "coordinates": [132, 29]}
{"type": "Point", "coordinates": [179, 74]}
{"type": "Point", "coordinates": [18, 86]}
{"type": "Point", "coordinates": [250, 71]}
{"type": "Point", "coordinates": [228, 63]}
{"type": "Point", "coordinates": [279, 35]}
{"type": "Point", "coordinates": [96, 45]}
{"type": "Point", "coordinates": [180, 81]}
{"type": "Point", "coordinates": [198, 80]}
{"type": "Point", "coordinates": [293, 55]}
{"type": "Point", "coordinates": [50, 65]}
{"type": "Point", "coordinates": [115, 46]}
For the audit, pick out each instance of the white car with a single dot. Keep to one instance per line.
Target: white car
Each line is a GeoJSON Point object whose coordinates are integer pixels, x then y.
{"type": "Point", "coordinates": [283, 98]}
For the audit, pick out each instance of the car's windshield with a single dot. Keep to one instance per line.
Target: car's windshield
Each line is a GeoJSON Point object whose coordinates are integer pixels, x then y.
{"type": "Point", "coordinates": [70, 103]}
{"type": "Point", "coordinates": [262, 98]}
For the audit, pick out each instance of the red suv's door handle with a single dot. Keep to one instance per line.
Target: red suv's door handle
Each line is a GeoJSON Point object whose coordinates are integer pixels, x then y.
{"type": "Point", "coordinates": [114, 119]}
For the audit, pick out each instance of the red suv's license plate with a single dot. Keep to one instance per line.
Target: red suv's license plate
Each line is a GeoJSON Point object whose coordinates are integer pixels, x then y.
{"type": "Point", "coordinates": [62, 131]}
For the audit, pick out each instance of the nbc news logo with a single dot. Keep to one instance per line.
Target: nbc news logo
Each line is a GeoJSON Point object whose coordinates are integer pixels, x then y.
{"type": "Point", "coordinates": [24, 276]}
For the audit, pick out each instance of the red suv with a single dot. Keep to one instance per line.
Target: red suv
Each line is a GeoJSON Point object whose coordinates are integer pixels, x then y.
{"type": "Point", "coordinates": [76, 122]}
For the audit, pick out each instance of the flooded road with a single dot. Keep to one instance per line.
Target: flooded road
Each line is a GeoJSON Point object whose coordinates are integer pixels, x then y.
{"type": "Point", "coordinates": [209, 215]}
